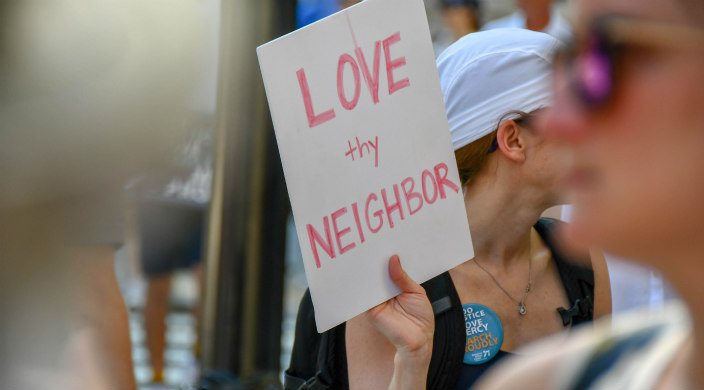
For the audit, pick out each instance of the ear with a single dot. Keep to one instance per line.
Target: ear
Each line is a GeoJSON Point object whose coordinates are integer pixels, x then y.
{"type": "Point", "coordinates": [511, 141]}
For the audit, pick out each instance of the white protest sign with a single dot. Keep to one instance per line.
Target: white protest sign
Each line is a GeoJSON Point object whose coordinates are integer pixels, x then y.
{"type": "Point", "coordinates": [363, 136]}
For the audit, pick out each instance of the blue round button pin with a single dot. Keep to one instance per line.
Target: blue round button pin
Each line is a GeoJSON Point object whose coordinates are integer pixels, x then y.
{"type": "Point", "coordinates": [484, 333]}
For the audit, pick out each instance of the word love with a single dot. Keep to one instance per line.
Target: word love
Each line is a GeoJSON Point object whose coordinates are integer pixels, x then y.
{"type": "Point", "coordinates": [473, 321]}
{"type": "Point", "coordinates": [432, 186]}
{"type": "Point", "coordinates": [476, 326]}
{"type": "Point", "coordinates": [371, 78]}
{"type": "Point", "coordinates": [361, 147]}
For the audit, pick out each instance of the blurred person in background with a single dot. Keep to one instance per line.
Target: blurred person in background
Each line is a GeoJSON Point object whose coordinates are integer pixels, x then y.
{"type": "Point", "coordinates": [309, 11]}
{"type": "Point", "coordinates": [629, 93]}
{"type": "Point", "coordinates": [536, 15]}
{"type": "Point", "coordinates": [90, 93]}
{"type": "Point", "coordinates": [460, 17]}
{"type": "Point", "coordinates": [170, 239]}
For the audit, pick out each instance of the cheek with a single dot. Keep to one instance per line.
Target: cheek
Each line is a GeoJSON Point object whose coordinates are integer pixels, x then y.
{"type": "Point", "coordinates": [557, 164]}
{"type": "Point", "coordinates": [663, 91]}
{"type": "Point", "coordinates": [648, 165]}
{"type": "Point", "coordinates": [648, 210]}
{"type": "Point", "coordinates": [550, 166]}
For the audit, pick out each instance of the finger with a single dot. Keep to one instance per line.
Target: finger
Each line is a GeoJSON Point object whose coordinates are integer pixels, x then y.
{"type": "Point", "coordinates": [401, 278]}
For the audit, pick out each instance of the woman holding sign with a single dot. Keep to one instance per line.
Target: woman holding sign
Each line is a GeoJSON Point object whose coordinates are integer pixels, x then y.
{"type": "Point", "coordinates": [521, 285]}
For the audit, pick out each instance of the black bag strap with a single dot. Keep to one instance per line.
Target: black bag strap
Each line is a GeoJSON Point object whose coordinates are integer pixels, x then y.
{"type": "Point", "coordinates": [576, 274]}
{"type": "Point", "coordinates": [306, 344]}
{"type": "Point", "coordinates": [449, 336]}
{"type": "Point", "coordinates": [319, 361]}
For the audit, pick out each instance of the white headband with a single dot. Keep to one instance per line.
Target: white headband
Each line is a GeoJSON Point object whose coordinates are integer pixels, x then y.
{"type": "Point", "coordinates": [487, 74]}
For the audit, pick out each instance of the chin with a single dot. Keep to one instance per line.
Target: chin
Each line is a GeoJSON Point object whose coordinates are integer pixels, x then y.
{"type": "Point", "coordinates": [614, 233]}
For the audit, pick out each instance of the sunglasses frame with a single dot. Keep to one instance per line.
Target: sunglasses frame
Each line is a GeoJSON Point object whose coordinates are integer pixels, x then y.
{"type": "Point", "coordinates": [608, 34]}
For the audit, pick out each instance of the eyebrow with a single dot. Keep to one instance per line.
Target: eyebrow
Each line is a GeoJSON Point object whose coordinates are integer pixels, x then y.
{"type": "Point", "coordinates": [633, 30]}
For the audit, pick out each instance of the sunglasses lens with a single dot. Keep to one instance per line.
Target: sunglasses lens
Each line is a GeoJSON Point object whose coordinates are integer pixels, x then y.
{"type": "Point", "coordinates": [593, 75]}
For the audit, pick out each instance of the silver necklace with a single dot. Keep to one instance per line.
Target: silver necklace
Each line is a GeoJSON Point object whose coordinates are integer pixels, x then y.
{"type": "Point", "coordinates": [522, 303]}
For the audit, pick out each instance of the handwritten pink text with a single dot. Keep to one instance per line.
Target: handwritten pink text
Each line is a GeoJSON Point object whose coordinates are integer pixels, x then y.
{"type": "Point", "coordinates": [388, 207]}
{"type": "Point", "coordinates": [359, 148]}
{"type": "Point", "coordinates": [359, 67]}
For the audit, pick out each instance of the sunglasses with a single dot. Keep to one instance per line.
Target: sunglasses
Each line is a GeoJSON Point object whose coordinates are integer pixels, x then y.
{"type": "Point", "coordinates": [591, 63]}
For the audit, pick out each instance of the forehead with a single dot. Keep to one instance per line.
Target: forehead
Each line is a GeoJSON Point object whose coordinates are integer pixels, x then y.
{"type": "Point", "coordinates": [662, 10]}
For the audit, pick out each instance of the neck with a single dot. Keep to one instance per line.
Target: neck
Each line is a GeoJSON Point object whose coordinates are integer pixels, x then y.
{"type": "Point", "coordinates": [500, 217]}
{"type": "Point", "coordinates": [537, 18]}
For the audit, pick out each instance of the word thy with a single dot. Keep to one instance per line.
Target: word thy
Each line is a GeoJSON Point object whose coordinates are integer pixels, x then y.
{"type": "Point", "coordinates": [371, 79]}
{"type": "Point", "coordinates": [360, 147]}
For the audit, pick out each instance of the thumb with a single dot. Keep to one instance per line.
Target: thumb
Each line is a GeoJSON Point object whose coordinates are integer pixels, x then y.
{"type": "Point", "coordinates": [401, 278]}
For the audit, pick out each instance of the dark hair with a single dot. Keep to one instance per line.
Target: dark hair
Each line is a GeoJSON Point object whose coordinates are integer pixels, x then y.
{"type": "Point", "coordinates": [461, 3]}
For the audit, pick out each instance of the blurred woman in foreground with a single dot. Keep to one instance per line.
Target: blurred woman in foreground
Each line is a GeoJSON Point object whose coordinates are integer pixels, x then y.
{"type": "Point", "coordinates": [629, 93]}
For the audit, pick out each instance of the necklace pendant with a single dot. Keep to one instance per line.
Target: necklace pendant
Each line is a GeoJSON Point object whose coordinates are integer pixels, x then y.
{"type": "Point", "coordinates": [522, 309]}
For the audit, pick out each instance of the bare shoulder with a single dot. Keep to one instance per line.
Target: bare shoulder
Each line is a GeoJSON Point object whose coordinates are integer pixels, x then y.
{"type": "Point", "coordinates": [370, 355]}
{"type": "Point", "coordinates": [584, 256]}
{"type": "Point", "coordinates": [602, 284]}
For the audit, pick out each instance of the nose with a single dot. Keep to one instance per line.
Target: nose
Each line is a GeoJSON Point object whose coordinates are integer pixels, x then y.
{"type": "Point", "coordinates": [566, 120]}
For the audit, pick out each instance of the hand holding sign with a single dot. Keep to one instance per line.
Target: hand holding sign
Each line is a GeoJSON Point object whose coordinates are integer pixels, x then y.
{"type": "Point", "coordinates": [407, 320]}
{"type": "Point", "coordinates": [364, 141]}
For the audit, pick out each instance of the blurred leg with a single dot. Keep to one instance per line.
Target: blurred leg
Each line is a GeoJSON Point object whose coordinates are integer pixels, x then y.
{"type": "Point", "coordinates": [106, 313]}
{"type": "Point", "coordinates": [155, 311]}
{"type": "Point", "coordinates": [197, 309]}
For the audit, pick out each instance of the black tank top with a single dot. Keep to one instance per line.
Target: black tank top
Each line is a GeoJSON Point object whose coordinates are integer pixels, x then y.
{"type": "Point", "coordinates": [578, 282]}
